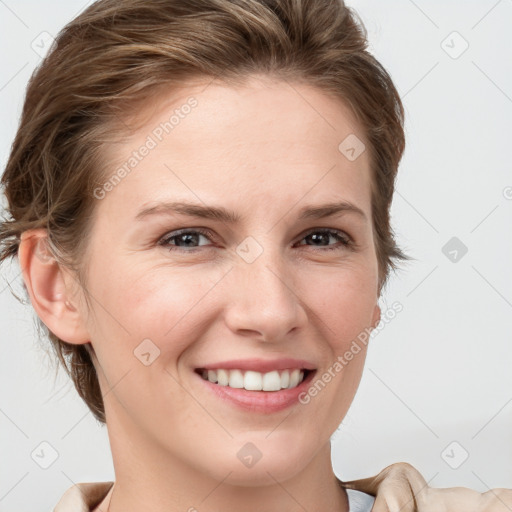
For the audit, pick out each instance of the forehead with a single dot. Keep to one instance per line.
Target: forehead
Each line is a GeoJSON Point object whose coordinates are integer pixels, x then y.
{"type": "Point", "coordinates": [269, 138]}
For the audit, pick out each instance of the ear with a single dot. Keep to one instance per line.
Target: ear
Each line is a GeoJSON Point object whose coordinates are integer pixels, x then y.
{"type": "Point", "coordinates": [50, 288]}
{"type": "Point", "coordinates": [376, 316]}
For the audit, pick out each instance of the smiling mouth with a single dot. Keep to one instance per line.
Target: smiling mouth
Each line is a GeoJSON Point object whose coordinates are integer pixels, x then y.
{"type": "Point", "coordinates": [275, 380]}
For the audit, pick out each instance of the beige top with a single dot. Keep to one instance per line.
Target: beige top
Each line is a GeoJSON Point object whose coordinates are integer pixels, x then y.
{"type": "Point", "coordinates": [85, 497]}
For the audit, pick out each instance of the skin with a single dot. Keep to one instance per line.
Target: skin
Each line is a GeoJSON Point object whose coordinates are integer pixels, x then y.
{"type": "Point", "coordinates": [264, 150]}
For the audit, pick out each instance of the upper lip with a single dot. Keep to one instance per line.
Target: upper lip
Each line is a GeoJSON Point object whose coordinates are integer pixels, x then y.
{"type": "Point", "coordinates": [260, 365]}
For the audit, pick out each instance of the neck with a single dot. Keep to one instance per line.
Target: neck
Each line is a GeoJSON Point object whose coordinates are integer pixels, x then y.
{"type": "Point", "coordinates": [149, 478]}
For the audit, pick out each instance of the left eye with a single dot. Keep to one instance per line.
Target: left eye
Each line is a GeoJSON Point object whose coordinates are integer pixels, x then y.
{"type": "Point", "coordinates": [189, 237]}
{"type": "Point", "coordinates": [323, 235]}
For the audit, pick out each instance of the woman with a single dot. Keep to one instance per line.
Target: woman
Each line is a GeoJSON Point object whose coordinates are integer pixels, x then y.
{"type": "Point", "coordinates": [199, 196]}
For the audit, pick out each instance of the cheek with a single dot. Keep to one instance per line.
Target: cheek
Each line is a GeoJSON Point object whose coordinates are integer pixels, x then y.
{"type": "Point", "coordinates": [160, 304]}
{"type": "Point", "coordinates": [342, 299]}
{"type": "Point", "coordinates": [157, 312]}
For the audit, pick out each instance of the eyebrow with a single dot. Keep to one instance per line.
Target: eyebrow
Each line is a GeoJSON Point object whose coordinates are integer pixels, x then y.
{"type": "Point", "coordinates": [228, 216]}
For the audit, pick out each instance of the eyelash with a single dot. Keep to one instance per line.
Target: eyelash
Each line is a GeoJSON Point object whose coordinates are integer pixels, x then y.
{"type": "Point", "coordinates": [346, 240]}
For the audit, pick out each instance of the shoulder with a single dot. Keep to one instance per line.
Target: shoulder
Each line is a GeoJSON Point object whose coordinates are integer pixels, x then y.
{"type": "Point", "coordinates": [83, 497]}
{"type": "Point", "coordinates": [452, 499]}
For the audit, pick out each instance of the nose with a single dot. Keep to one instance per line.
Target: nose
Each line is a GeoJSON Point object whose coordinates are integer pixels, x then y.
{"type": "Point", "coordinates": [265, 303]}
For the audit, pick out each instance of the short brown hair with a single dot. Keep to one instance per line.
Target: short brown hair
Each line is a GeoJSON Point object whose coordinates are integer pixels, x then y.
{"type": "Point", "coordinates": [117, 52]}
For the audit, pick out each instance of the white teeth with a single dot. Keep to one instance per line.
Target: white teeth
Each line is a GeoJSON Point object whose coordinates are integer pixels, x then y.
{"type": "Point", "coordinates": [255, 381]}
{"type": "Point", "coordinates": [271, 381]}
{"type": "Point", "coordinates": [222, 377]}
{"type": "Point", "coordinates": [294, 378]}
{"type": "Point", "coordinates": [236, 379]}
{"type": "Point", "coordinates": [252, 381]}
{"type": "Point", "coordinates": [285, 379]}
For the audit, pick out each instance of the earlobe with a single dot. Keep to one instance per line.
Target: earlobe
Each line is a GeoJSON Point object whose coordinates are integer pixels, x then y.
{"type": "Point", "coordinates": [48, 288]}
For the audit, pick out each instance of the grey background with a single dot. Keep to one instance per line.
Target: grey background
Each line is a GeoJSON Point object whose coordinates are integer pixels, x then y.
{"type": "Point", "coordinates": [437, 388]}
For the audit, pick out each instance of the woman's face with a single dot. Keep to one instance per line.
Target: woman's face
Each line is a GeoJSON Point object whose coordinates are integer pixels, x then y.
{"type": "Point", "coordinates": [252, 283]}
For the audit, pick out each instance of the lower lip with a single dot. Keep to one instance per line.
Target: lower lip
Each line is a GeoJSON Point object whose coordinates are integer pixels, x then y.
{"type": "Point", "coordinates": [259, 401]}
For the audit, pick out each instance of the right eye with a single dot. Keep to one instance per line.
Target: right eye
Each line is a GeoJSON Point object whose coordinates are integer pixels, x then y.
{"type": "Point", "coordinates": [183, 238]}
